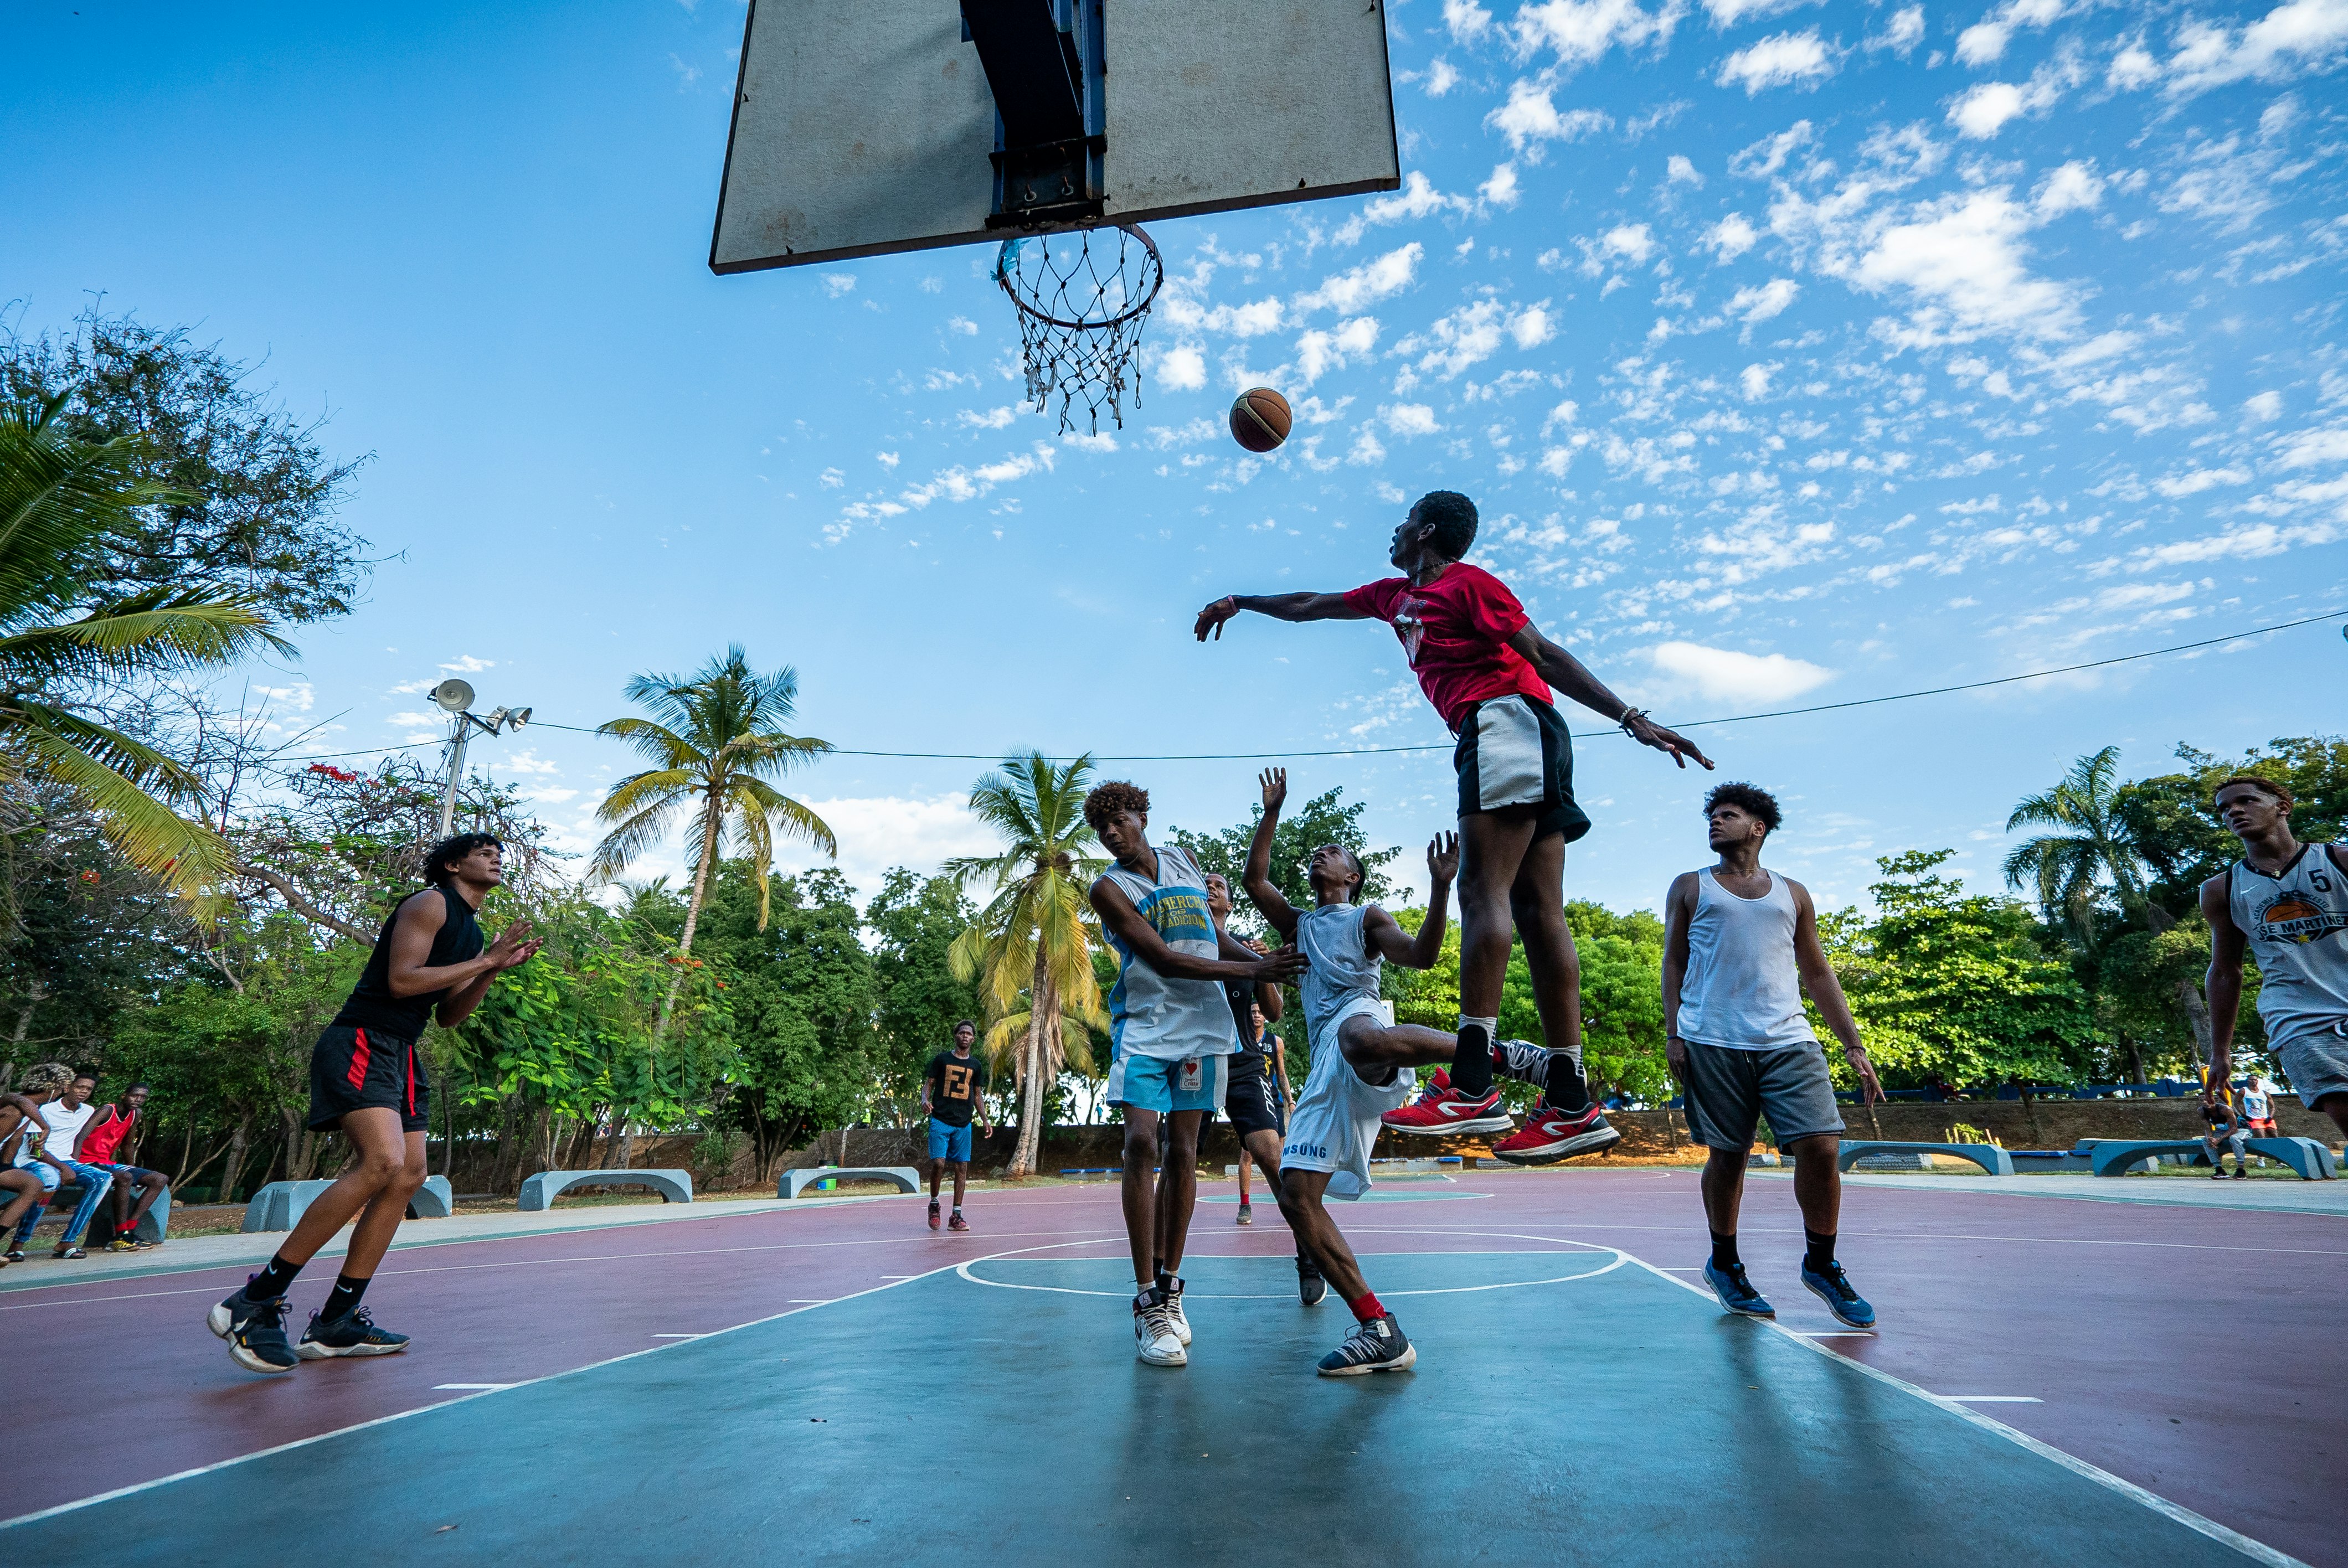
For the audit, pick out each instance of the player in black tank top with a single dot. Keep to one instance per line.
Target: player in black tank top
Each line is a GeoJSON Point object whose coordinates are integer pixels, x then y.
{"type": "Point", "coordinates": [366, 1082]}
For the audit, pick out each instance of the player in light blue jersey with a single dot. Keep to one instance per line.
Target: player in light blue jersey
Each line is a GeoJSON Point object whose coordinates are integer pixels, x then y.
{"type": "Point", "coordinates": [1171, 1034]}
{"type": "Point", "coordinates": [1362, 1065]}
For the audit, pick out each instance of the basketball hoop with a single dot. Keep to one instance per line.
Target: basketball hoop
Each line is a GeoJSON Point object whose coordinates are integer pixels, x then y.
{"type": "Point", "coordinates": [1082, 305]}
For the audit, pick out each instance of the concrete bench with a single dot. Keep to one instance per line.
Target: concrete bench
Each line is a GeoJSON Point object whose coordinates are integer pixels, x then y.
{"type": "Point", "coordinates": [904, 1178]}
{"type": "Point", "coordinates": [279, 1205]}
{"type": "Point", "coordinates": [541, 1190]}
{"type": "Point", "coordinates": [2120, 1156]}
{"type": "Point", "coordinates": [153, 1226]}
{"type": "Point", "coordinates": [1991, 1159]}
{"type": "Point", "coordinates": [2310, 1159]}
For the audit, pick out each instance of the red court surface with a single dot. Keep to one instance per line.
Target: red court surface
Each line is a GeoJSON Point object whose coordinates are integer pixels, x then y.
{"type": "Point", "coordinates": [2195, 1352]}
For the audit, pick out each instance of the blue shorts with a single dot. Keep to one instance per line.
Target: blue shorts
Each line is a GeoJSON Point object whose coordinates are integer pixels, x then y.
{"type": "Point", "coordinates": [948, 1142]}
{"type": "Point", "coordinates": [1156, 1083]}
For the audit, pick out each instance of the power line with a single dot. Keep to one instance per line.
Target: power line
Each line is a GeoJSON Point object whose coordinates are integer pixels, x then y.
{"type": "Point", "coordinates": [1577, 735]}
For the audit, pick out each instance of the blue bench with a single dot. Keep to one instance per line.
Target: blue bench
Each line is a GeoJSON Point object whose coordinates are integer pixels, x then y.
{"type": "Point", "coordinates": [541, 1190]}
{"type": "Point", "coordinates": [2310, 1159]}
{"type": "Point", "coordinates": [2119, 1156]}
{"type": "Point", "coordinates": [904, 1178]}
{"type": "Point", "coordinates": [279, 1205]}
{"type": "Point", "coordinates": [1991, 1159]}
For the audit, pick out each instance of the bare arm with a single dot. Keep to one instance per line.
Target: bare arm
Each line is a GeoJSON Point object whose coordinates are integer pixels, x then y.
{"type": "Point", "coordinates": [1279, 606]}
{"type": "Point", "coordinates": [1280, 1065]}
{"type": "Point", "coordinates": [1387, 940]}
{"type": "Point", "coordinates": [1269, 901]}
{"type": "Point", "coordinates": [1572, 677]}
{"type": "Point", "coordinates": [1819, 978]}
{"type": "Point", "coordinates": [1679, 907]}
{"type": "Point", "coordinates": [2223, 984]}
{"type": "Point", "coordinates": [411, 973]}
{"type": "Point", "coordinates": [1141, 938]}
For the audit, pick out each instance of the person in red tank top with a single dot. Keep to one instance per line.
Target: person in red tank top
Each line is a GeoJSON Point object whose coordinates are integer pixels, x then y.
{"type": "Point", "coordinates": [108, 1136]}
{"type": "Point", "coordinates": [1489, 672]}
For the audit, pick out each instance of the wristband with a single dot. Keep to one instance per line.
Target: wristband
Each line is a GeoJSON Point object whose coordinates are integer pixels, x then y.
{"type": "Point", "coordinates": [1629, 714]}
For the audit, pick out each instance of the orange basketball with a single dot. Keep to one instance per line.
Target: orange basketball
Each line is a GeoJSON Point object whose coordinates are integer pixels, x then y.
{"type": "Point", "coordinates": [1259, 419]}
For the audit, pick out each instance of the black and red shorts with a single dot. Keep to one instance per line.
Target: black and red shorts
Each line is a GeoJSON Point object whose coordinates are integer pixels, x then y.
{"type": "Point", "coordinates": [361, 1070]}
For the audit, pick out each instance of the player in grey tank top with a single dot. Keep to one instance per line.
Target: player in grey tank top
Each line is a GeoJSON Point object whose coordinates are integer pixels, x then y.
{"type": "Point", "coordinates": [1360, 1064]}
{"type": "Point", "coordinates": [2285, 904]}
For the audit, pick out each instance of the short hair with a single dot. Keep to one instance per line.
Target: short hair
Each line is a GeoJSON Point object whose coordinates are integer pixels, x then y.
{"type": "Point", "coordinates": [1361, 875]}
{"type": "Point", "coordinates": [1454, 520]}
{"type": "Point", "coordinates": [2255, 782]}
{"type": "Point", "coordinates": [961, 1024]}
{"type": "Point", "coordinates": [1112, 797]}
{"type": "Point", "coordinates": [79, 1077]}
{"type": "Point", "coordinates": [454, 847]}
{"type": "Point", "coordinates": [1750, 799]}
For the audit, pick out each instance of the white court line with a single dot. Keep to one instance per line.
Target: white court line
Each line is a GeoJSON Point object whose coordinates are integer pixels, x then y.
{"type": "Point", "coordinates": [2257, 1551]}
{"type": "Point", "coordinates": [1015, 1257]}
{"type": "Point", "coordinates": [478, 1388]}
{"type": "Point", "coordinates": [1996, 1398]}
{"type": "Point", "coordinates": [1828, 1333]}
{"type": "Point", "coordinates": [807, 1301]}
{"type": "Point", "coordinates": [680, 1335]}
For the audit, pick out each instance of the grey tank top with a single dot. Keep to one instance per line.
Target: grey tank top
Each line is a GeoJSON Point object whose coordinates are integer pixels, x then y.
{"type": "Point", "coordinates": [1329, 934]}
{"type": "Point", "coordinates": [2297, 925]}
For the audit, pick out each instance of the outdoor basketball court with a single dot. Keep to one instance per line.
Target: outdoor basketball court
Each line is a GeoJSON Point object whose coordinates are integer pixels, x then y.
{"type": "Point", "coordinates": [2053, 1380]}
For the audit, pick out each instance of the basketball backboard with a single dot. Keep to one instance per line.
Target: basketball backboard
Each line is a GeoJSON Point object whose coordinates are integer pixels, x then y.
{"type": "Point", "coordinates": [869, 126]}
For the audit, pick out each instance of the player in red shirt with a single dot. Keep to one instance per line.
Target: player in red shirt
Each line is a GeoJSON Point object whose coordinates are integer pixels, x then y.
{"type": "Point", "coordinates": [1489, 672]}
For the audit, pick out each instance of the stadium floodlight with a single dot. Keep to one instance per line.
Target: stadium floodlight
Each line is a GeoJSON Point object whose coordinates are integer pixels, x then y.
{"type": "Point", "coordinates": [453, 696]}
{"type": "Point", "coordinates": [456, 697]}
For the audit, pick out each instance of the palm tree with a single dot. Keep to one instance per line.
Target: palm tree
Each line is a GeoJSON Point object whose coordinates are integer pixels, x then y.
{"type": "Point", "coordinates": [715, 740]}
{"type": "Point", "coordinates": [60, 499]}
{"type": "Point", "coordinates": [2069, 867]}
{"type": "Point", "coordinates": [1032, 946]}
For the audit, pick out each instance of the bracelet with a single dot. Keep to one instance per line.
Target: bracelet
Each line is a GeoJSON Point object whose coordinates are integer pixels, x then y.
{"type": "Point", "coordinates": [1629, 714]}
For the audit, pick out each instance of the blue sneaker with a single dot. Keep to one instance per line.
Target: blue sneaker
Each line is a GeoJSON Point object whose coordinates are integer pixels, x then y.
{"type": "Point", "coordinates": [1736, 1293]}
{"type": "Point", "coordinates": [1833, 1288]}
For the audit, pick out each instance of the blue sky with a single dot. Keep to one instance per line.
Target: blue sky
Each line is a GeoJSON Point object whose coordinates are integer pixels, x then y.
{"type": "Point", "coordinates": [1794, 354]}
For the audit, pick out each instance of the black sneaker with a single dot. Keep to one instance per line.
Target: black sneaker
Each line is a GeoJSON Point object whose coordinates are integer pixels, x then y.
{"type": "Point", "coordinates": [1310, 1287]}
{"type": "Point", "coordinates": [255, 1332]}
{"type": "Point", "coordinates": [353, 1334]}
{"type": "Point", "coordinates": [1375, 1347]}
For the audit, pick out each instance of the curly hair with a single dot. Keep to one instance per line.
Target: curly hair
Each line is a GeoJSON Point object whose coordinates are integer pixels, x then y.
{"type": "Point", "coordinates": [1454, 520]}
{"type": "Point", "coordinates": [2255, 782]}
{"type": "Point", "coordinates": [1751, 799]}
{"type": "Point", "coordinates": [46, 1078]}
{"type": "Point", "coordinates": [1114, 796]}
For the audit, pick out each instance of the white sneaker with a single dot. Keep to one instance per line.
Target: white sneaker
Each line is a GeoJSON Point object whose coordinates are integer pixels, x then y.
{"type": "Point", "coordinates": [1174, 1314]}
{"type": "Point", "coordinates": [1154, 1339]}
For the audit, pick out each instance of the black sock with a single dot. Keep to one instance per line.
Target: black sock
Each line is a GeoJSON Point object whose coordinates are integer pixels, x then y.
{"type": "Point", "coordinates": [272, 1280]}
{"type": "Point", "coordinates": [342, 1298]}
{"type": "Point", "coordinates": [1724, 1252]}
{"type": "Point", "coordinates": [1820, 1250]}
{"type": "Point", "coordinates": [1471, 1061]}
{"type": "Point", "coordinates": [1564, 1089]}
{"type": "Point", "coordinates": [1166, 1282]}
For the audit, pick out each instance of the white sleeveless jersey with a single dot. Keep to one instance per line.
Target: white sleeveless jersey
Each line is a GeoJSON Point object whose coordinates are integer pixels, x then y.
{"type": "Point", "coordinates": [1158, 1015]}
{"type": "Point", "coordinates": [2297, 925]}
{"type": "Point", "coordinates": [1743, 989]}
{"type": "Point", "coordinates": [1344, 969]}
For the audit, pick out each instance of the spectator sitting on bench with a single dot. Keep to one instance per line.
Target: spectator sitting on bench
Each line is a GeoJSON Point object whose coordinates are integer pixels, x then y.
{"type": "Point", "coordinates": [2225, 1131]}
{"type": "Point", "coordinates": [26, 1172]}
{"type": "Point", "coordinates": [68, 1116]}
{"type": "Point", "coordinates": [2258, 1106]}
{"type": "Point", "coordinates": [109, 1135]}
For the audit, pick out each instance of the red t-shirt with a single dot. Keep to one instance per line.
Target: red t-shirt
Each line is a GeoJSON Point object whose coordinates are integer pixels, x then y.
{"type": "Point", "coordinates": [103, 1136]}
{"type": "Point", "coordinates": [1455, 632]}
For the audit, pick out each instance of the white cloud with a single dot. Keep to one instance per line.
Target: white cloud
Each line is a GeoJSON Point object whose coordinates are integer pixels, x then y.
{"type": "Point", "coordinates": [998, 418]}
{"type": "Point", "coordinates": [2300, 36]}
{"type": "Point", "coordinates": [1182, 368]}
{"type": "Point", "coordinates": [529, 762]}
{"type": "Point", "coordinates": [1318, 352]}
{"type": "Point", "coordinates": [1727, 14]}
{"type": "Point", "coordinates": [1725, 675]}
{"type": "Point", "coordinates": [1964, 257]}
{"type": "Point", "coordinates": [1984, 42]}
{"type": "Point", "coordinates": [1754, 381]}
{"type": "Point", "coordinates": [2133, 66]}
{"type": "Point", "coordinates": [466, 664]}
{"type": "Point", "coordinates": [1758, 305]}
{"type": "Point", "coordinates": [1466, 20]}
{"type": "Point", "coordinates": [876, 833]}
{"type": "Point", "coordinates": [1730, 238]}
{"type": "Point", "coordinates": [1530, 118]}
{"type": "Point", "coordinates": [1500, 191]}
{"type": "Point", "coordinates": [1383, 276]}
{"type": "Point", "coordinates": [839, 283]}
{"type": "Point", "coordinates": [1768, 155]}
{"type": "Point", "coordinates": [2305, 448]}
{"type": "Point", "coordinates": [1416, 199]}
{"type": "Point", "coordinates": [962, 324]}
{"type": "Point", "coordinates": [1785, 59]}
{"type": "Point", "coordinates": [1681, 170]}
{"type": "Point", "coordinates": [2263, 406]}
{"type": "Point", "coordinates": [1903, 31]}
{"type": "Point", "coordinates": [1531, 327]}
{"type": "Point", "coordinates": [2071, 188]}
{"type": "Point", "coordinates": [1580, 31]}
{"type": "Point", "coordinates": [1409, 419]}
{"type": "Point", "coordinates": [2200, 480]}
{"type": "Point", "coordinates": [418, 721]}
{"type": "Point", "coordinates": [2236, 544]}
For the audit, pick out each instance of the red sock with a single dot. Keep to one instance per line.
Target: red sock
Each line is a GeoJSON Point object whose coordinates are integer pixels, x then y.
{"type": "Point", "coordinates": [1365, 1306]}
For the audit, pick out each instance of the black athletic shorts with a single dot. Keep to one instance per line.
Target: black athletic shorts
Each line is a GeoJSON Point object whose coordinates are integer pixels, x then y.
{"type": "Point", "coordinates": [361, 1070]}
{"type": "Point", "coordinates": [1514, 752]}
{"type": "Point", "coordinates": [1252, 1102]}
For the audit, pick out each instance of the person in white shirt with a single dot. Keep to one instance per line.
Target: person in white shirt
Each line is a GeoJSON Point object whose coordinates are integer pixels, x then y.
{"type": "Point", "coordinates": [2258, 1106]}
{"type": "Point", "coordinates": [65, 1116]}
{"type": "Point", "coordinates": [1740, 946]}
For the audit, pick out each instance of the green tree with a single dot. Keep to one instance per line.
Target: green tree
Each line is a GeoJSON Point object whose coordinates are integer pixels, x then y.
{"type": "Point", "coordinates": [915, 921]}
{"type": "Point", "coordinates": [62, 499]}
{"type": "Point", "coordinates": [1324, 819]}
{"type": "Point", "coordinates": [714, 739]}
{"type": "Point", "coordinates": [1031, 949]}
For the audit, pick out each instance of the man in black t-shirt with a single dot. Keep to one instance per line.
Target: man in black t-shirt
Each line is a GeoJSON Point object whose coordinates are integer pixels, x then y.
{"type": "Point", "coordinates": [951, 1087]}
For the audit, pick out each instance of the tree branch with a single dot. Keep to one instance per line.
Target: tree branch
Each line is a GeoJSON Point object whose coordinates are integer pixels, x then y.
{"type": "Point", "coordinates": [302, 906]}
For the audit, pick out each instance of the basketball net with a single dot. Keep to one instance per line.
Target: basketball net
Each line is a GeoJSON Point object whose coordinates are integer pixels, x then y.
{"type": "Point", "coordinates": [1083, 299]}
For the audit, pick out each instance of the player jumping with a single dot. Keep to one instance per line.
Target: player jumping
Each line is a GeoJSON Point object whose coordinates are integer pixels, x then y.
{"type": "Point", "coordinates": [1489, 672]}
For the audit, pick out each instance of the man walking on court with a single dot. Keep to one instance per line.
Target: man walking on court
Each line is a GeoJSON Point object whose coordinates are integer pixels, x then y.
{"type": "Point", "coordinates": [1740, 946]}
{"type": "Point", "coordinates": [2286, 903]}
{"type": "Point", "coordinates": [951, 1087]}
{"type": "Point", "coordinates": [1489, 673]}
{"type": "Point", "coordinates": [366, 1082]}
{"type": "Point", "coordinates": [1257, 1099]}
{"type": "Point", "coordinates": [1170, 1036]}
{"type": "Point", "coordinates": [1362, 1065]}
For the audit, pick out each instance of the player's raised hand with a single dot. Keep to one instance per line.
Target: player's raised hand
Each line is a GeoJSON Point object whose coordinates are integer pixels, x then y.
{"type": "Point", "coordinates": [1647, 732]}
{"type": "Point", "coordinates": [1275, 787]}
{"type": "Point", "coordinates": [1282, 964]}
{"type": "Point", "coordinates": [1443, 857]}
{"type": "Point", "coordinates": [1212, 618]}
{"type": "Point", "coordinates": [511, 950]}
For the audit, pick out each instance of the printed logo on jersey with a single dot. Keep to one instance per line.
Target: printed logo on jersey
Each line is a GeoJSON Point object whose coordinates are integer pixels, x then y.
{"type": "Point", "coordinates": [1300, 1150]}
{"type": "Point", "coordinates": [1180, 914]}
{"type": "Point", "coordinates": [2292, 919]}
{"type": "Point", "coordinates": [1409, 627]}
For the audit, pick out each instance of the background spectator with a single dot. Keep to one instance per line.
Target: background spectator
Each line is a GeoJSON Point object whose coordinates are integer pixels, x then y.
{"type": "Point", "coordinates": [67, 1116]}
{"type": "Point", "coordinates": [111, 1133]}
{"type": "Point", "coordinates": [2225, 1131]}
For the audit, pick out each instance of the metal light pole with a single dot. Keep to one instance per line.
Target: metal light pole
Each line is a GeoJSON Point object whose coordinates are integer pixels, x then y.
{"type": "Point", "coordinates": [456, 697]}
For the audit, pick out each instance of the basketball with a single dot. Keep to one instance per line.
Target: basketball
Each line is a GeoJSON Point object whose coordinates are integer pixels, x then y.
{"type": "Point", "coordinates": [1259, 419]}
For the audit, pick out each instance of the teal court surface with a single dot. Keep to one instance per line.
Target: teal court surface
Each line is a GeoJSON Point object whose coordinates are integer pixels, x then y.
{"type": "Point", "coordinates": [911, 1396]}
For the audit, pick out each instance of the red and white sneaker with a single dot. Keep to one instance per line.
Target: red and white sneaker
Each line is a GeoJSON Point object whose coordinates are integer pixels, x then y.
{"type": "Point", "coordinates": [1550, 1135]}
{"type": "Point", "coordinates": [1441, 1111]}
